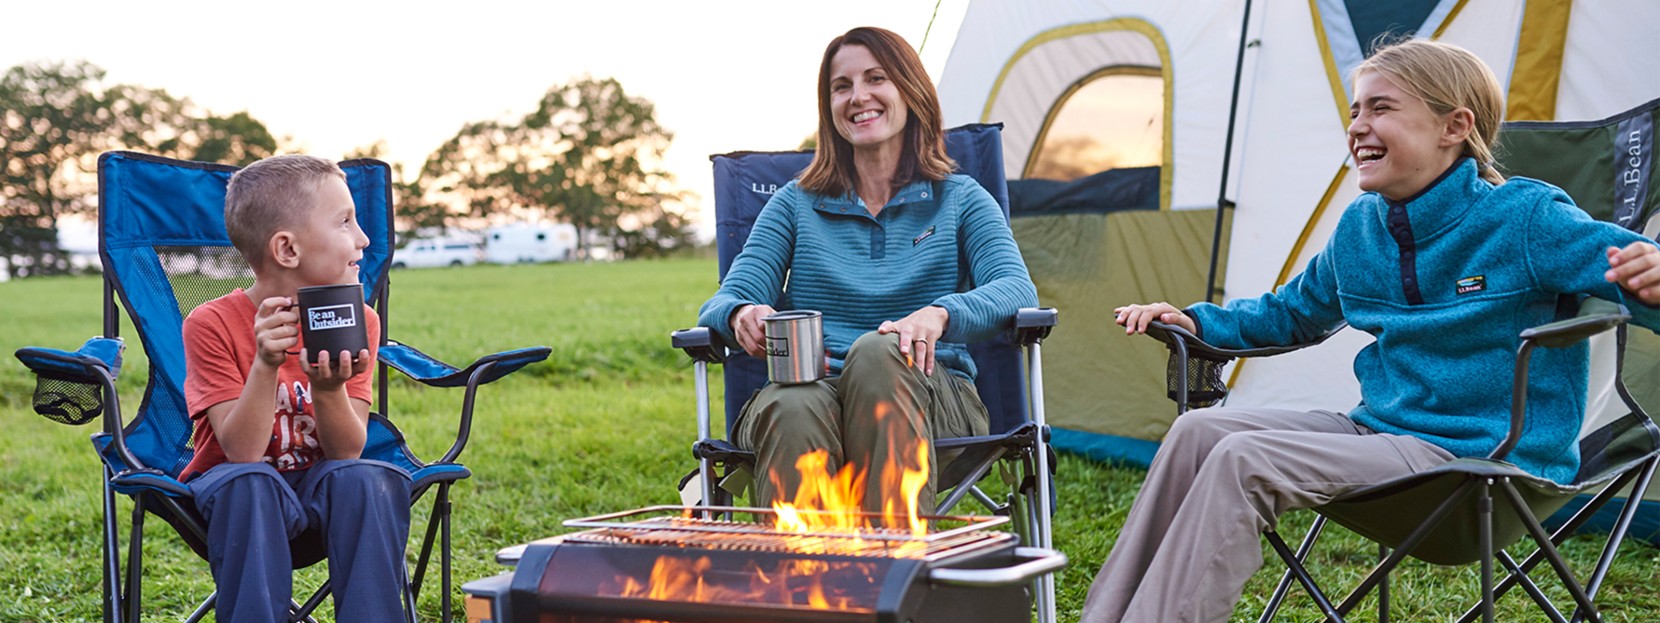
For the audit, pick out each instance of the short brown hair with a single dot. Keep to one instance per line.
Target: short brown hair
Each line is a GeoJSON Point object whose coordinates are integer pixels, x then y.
{"type": "Point", "coordinates": [923, 156]}
{"type": "Point", "coordinates": [272, 194]}
{"type": "Point", "coordinates": [1447, 77]}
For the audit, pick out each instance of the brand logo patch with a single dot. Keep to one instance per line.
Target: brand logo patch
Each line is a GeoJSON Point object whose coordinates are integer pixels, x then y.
{"type": "Point", "coordinates": [1472, 284]}
{"type": "Point", "coordinates": [332, 317]}
{"type": "Point", "coordinates": [924, 236]}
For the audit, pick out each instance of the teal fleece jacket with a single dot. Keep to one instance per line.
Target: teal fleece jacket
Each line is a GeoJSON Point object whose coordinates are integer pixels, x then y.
{"type": "Point", "coordinates": [1446, 281]}
{"type": "Point", "coordinates": [809, 251]}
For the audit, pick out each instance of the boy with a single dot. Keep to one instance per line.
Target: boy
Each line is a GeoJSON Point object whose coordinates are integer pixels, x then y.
{"type": "Point", "coordinates": [277, 439]}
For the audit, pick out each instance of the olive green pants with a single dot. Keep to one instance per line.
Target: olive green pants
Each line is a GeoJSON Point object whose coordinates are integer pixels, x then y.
{"type": "Point", "coordinates": [872, 417]}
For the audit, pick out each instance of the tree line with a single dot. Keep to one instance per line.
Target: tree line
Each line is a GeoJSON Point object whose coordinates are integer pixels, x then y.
{"type": "Point", "coordinates": [585, 155]}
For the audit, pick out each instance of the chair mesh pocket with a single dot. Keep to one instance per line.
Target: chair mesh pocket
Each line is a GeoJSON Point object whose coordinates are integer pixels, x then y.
{"type": "Point", "coordinates": [67, 401]}
{"type": "Point", "coordinates": [1203, 377]}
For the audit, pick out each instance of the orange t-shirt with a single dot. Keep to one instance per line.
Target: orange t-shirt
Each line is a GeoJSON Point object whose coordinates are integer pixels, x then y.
{"type": "Point", "coordinates": [219, 349]}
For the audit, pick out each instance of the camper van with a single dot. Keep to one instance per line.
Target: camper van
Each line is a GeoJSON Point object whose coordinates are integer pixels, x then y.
{"type": "Point", "coordinates": [431, 252]}
{"type": "Point", "coordinates": [530, 242]}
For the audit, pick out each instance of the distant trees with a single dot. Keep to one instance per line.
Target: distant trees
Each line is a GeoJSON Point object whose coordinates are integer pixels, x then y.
{"type": "Point", "coordinates": [586, 155]}
{"type": "Point", "coordinates": [54, 121]}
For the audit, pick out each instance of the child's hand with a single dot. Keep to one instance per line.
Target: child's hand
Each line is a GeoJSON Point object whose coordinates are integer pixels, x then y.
{"type": "Point", "coordinates": [276, 329]}
{"type": "Point", "coordinates": [1637, 269]}
{"type": "Point", "coordinates": [333, 369]}
{"type": "Point", "coordinates": [1135, 318]}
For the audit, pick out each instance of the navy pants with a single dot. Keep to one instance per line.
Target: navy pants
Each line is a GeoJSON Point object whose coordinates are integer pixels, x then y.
{"type": "Point", "coordinates": [360, 506]}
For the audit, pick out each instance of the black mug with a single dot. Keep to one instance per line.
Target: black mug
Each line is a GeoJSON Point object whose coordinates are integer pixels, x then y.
{"type": "Point", "coordinates": [331, 319]}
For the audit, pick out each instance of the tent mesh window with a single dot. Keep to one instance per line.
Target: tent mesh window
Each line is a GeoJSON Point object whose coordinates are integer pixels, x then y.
{"type": "Point", "coordinates": [1203, 377]}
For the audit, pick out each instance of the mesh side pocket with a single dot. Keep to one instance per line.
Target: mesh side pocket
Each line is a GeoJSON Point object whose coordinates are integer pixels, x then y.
{"type": "Point", "coordinates": [1203, 377]}
{"type": "Point", "coordinates": [66, 401]}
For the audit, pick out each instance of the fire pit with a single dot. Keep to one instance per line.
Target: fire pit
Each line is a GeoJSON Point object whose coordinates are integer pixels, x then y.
{"type": "Point", "coordinates": [670, 563]}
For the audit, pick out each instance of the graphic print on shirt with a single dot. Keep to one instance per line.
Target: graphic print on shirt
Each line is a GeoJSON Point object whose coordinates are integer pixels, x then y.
{"type": "Point", "coordinates": [295, 440]}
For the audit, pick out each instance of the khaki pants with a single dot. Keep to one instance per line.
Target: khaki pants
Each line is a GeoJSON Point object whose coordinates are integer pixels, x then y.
{"type": "Point", "coordinates": [1221, 478]}
{"type": "Point", "coordinates": [839, 415]}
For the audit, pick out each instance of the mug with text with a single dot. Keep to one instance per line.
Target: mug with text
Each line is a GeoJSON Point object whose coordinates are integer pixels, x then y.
{"type": "Point", "coordinates": [331, 319]}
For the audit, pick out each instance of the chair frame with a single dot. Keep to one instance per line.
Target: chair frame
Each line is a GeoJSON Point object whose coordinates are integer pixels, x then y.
{"type": "Point", "coordinates": [155, 491]}
{"type": "Point", "coordinates": [1477, 482]}
{"type": "Point", "coordinates": [1027, 444]}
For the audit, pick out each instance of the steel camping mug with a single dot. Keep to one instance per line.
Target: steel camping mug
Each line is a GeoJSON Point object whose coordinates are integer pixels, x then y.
{"type": "Point", "coordinates": [795, 347]}
{"type": "Point", "coordinates": [331, 319]}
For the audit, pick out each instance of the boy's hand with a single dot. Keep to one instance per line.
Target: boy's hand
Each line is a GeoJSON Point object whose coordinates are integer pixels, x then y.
{"type": "Point", "coordinates": [276, 329]}
{"type": "Point", "coordinates": [1135, 318]}
{"type": "Point", "coordinates": [333, 371]}
{"type": "Point", "coordinates": [1637, 269]}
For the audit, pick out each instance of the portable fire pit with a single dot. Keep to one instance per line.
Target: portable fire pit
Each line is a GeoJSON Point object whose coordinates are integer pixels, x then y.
{"type": "Point", "coordinates": [671, 563]}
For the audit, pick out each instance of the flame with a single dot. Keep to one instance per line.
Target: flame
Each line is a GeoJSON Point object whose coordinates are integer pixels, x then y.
{"type": "Point", "coordinates": [826, 516]}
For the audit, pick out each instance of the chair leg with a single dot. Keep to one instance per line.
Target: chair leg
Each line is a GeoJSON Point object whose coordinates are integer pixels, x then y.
{"type": "Point", "coordinates": [444, 600]}
{"type": "Point", "coordinates": [426, 554]}
{"type": "Point", "coordinates": [202, 610]}
{"type": "Point", "coordinates": [112, 556]}
{"type": "Point", "coordinates": [1484, 512]}
{"type": "Point", "coordinates": [1296, 569]}
{"type": "Point", "coordinates": [1383, 587]}
{"type": "Point", "coordinates": [1616, 535]}
{"type": "Point", "coordinates": [134, 591]}
{"type": "Point", "coordinates": [1284, 587]}
{"type": "Point", "coordinates": [303, 611]}
{"type": "Point", "coordinates": [1551, 555]}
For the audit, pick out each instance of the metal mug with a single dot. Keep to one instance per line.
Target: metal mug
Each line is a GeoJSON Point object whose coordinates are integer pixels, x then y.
{"type": "Point", "coordinates": [331, 319]}
{"type": "Point", "coordinates": [795, 347]}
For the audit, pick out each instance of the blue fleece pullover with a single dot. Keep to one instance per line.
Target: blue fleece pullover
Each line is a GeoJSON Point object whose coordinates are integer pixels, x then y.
{"type": "Point", "coordinates": [1446, 281]}
{"type": "Point", "coordinates": [809, 251]}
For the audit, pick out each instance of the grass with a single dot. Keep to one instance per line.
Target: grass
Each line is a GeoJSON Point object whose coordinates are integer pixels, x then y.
{"type": "Point", "coordinates": [605, 425]}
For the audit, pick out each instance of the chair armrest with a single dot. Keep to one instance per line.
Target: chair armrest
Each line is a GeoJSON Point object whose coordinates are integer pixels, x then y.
{"type": "Point", "coordinates": [70, 387]}
{"type": "Point", "coordinates": [1595, 316]}
{"type": "Point", "coordinates": [700, 343]}
{"type": "Point", "coordinates": [432, 372]}
{"type": "Point", "coordinates": [1033, 324]}
{"type": "Point", "coordinates": [1170, 334]}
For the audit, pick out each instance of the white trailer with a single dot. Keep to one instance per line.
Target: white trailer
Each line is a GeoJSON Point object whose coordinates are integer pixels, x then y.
{"type": "Point", "coordinates": [530, 242]}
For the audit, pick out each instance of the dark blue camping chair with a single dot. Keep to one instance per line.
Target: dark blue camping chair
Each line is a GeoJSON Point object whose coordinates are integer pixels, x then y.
{"type": "Point", "coordinates": [744, 181]}
{"type": "Point", "coordinates": [164, 250]}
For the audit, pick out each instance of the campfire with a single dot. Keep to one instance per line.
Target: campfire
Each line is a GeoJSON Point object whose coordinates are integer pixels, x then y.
{"type": "Point", "coordinates": [815, 557]}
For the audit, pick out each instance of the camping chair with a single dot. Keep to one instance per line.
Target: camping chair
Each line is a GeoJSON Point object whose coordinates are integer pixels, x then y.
{"type": "Point", "coordinates": [164, 250]}
{"type": "Point", "coordinates": [1018, 436]}
{"type": "Point", "coordinates": [1448, 515]}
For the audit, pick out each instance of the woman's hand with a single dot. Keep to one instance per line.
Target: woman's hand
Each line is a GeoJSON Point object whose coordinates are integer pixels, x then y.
{"type": "Point", "coordinates": [919, 334]}
{"type": "Point", "coordinates": [1135, 318]}
{"type": "Point", "coordinates": [1637, 269]}
{"type": "Point", "coordinates": [748, 327]}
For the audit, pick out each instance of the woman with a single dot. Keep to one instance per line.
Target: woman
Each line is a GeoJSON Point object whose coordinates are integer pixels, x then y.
{"type": "Point", "coordinates": [907, 262]}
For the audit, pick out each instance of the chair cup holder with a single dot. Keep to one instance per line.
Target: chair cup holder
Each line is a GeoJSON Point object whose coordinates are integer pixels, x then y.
{"type": "Point", "coordinates": [1203, 377]}
{"type": "Point", "coordinates": [67, 401]}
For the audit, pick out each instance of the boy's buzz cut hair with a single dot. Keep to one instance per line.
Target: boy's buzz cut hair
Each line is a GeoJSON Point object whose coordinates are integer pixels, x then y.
{"type": "Point", "coordinates": [270, 195]}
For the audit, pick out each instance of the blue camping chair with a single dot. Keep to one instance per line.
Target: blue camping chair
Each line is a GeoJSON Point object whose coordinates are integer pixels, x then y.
{"type": "Point", "coordinates": [164, 250]}
{"type": "Point", "coordinates": [744, 181]}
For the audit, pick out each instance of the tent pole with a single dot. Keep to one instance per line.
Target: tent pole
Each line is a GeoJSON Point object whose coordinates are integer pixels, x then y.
{"type": "Point", "coordinates": [1222, 202]}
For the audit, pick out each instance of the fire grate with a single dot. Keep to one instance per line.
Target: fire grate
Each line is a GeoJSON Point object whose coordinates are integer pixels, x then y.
{"type": "Point", "coordinates": [677, 526]}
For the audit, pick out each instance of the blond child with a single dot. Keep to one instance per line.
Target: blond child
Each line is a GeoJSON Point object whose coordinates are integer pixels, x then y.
{"type": "Point", "coordinates": [1444, 262]}
{"type": "Point", "coordinates": [277, 439]}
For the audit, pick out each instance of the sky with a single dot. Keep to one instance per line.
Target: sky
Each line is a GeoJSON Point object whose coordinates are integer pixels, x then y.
{"type": "Point", "coordinates": [725, 75]}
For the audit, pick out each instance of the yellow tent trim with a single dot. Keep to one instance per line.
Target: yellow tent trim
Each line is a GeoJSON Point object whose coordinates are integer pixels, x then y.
{"type": "Point", "coordinates": [1338, 95]}
{"type": "Point", "coordinates": [1538, 71]}
{"type": "Point", "coordinates": [1166, 170]}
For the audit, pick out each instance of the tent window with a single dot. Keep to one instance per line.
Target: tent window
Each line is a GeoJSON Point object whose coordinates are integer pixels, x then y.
{"type": "Point", "coordinates": [1112, 119]}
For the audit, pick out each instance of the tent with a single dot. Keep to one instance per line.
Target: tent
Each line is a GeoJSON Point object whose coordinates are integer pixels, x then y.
{"type": "Point", "coordinates": [1247, 119]}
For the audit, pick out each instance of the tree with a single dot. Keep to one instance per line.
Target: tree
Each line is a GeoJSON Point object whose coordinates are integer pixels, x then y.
{"type": "Point", "coordinates": [54, 121]}
{"type": "Point", "coordinates": [584, 155]}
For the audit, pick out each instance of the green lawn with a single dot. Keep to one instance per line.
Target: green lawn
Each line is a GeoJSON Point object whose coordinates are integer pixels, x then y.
{"type": "Point", "coordinates": [605, 425]}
